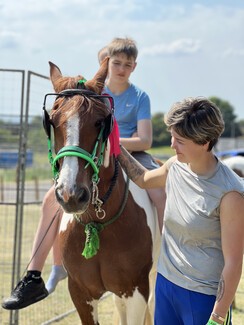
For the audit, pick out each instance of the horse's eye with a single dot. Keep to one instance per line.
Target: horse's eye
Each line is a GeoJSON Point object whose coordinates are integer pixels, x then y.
{"type": "Point", "coordinates": [98, 123]}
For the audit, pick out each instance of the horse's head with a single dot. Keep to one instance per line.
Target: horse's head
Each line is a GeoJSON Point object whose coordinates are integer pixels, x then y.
{"type": "Point", "coordinates": [82, 121]}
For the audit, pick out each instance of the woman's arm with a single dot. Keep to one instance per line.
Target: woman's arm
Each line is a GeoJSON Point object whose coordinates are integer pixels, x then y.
{"type": "Point", "coordinates": [232, 238]}
{"type": "Point", "coordinates": [144, 178]}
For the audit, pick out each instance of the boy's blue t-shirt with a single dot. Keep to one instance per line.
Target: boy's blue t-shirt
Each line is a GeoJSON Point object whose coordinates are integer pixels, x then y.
{"type": "Point", "coordinates": [130, 107]}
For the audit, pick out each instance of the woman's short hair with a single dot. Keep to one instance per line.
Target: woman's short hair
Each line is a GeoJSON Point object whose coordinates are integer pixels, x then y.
{"type": "Point", "coordinates": [197, 119]}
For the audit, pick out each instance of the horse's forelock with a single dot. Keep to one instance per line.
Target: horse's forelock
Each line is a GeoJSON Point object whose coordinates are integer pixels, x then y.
{"type": "Point", "coordinates": [64, 109]}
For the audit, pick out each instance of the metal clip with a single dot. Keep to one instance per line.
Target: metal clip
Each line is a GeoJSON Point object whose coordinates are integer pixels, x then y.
{"type": "Point", "coordinates": [97, 202]}
{"type": "Point", "coordinates": [99, 210]}
{"type": "Point", "coordinates": [94, 192]}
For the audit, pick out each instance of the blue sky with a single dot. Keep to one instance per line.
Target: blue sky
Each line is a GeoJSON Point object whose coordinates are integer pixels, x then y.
{"type": "Point", "coordinates": [186, 48]}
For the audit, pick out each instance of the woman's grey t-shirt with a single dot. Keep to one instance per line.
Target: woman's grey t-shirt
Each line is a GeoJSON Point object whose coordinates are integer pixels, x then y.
{"type": "Point", "coordinates": [191, 254]}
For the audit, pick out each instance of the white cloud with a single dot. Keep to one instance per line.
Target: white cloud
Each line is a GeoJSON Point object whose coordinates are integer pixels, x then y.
{"type": "Point", "coordinates": [177, 47]}
{"type": "Point", "coordinates": [175, 39]}
{"type": "Point", "coordinates": [233, 53]}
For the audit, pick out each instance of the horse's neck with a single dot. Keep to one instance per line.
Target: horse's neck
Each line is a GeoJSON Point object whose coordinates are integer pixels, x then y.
{"type": "Point", "coordinates": [109, 177]}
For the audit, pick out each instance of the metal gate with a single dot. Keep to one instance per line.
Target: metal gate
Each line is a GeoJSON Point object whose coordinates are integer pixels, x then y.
{"type": "Point", "coordinates": [25, 176]}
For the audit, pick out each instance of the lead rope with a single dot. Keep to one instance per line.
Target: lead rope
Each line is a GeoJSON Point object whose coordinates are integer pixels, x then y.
{"type": "Point", "coordinates": [92, 229]}
{"type": "Point", "coordinates": [99, 202]}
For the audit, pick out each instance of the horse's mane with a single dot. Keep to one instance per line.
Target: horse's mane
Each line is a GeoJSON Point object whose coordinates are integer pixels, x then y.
{"type": "Point", "coordinates": [66, 83]}
{"type": "Point", "coordinates": [71, 83]}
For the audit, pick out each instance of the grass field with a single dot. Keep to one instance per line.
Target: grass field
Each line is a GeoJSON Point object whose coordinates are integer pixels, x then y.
{"type": "Point", "coordinates": [59, 302]}
{"type": "Point", "coordinates": [106, 310]}
{"type": "Point", "coordinates": [107, 316]}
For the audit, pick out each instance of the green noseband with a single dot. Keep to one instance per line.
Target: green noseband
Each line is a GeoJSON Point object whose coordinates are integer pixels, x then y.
{"type": "Point", "coordinates": [73, 151]}
{"type": "Point", "coordinates": [93, 159]}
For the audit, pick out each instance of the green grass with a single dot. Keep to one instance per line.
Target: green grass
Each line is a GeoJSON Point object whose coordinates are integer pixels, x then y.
{"type": "Point", "coordinates": [54, 305]}
{"type": "Point", "coordinates": [41, 167]}
{"type": "Point", "coordinates": [59, 302]}
{"type": "Point", "coordinates": [162, 153]}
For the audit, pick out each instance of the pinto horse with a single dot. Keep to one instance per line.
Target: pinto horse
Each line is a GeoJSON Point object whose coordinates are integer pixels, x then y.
{"type": "Point", "coordinates": [109, 235]}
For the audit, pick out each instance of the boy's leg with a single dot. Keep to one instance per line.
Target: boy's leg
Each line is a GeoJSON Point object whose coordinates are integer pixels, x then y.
{"type": "Point", "coordinates": [47, 230]}
{"type": "Point", "coordinates": [32, 288]}
{"type": "Point", "coordinates": [58, 272]}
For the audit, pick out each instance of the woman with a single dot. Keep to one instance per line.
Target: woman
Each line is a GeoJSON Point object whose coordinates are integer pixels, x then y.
{"type": "Point", "coordinates": [200, 264]}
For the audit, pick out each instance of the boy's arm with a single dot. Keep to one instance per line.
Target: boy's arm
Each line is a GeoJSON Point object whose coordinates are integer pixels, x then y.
{"type": "Point", "coordinates": [140, 140]}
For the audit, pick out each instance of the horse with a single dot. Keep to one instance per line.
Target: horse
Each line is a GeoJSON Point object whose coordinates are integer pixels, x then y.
{"type": "Point", "coordinates": [109, 235]}
{"type": "Point", "coordinates": [236, 163]}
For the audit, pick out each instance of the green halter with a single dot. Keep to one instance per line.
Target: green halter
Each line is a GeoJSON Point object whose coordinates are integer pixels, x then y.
{"type": "Point", "coordinates": [75, 151]}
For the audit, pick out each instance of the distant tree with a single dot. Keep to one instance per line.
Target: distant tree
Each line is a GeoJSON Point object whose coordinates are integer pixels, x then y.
{"type": "Point", "coordinates": [241, 125]}
{"type": "Point", "coordinates": [232, 128]}
{"type": "Point", "coordinates": [36, 136]}
{"type": "Point", "coordinates": [5, 135]}
{"type": "Point", "coordinates": [9, 134]}
{"type": "Point", "coordinates": [161, 137]}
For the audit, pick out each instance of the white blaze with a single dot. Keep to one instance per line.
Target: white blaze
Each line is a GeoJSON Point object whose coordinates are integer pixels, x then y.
{"type": "Point", "coordinates": [69, 169]}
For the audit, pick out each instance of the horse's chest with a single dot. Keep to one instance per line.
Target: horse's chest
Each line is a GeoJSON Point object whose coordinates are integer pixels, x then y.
{"type": "Point", "coordinates": [125, 252]}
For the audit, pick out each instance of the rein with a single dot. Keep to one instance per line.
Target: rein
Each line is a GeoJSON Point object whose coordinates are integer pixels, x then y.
{"type": "Point", "coordinates": [92, 229]}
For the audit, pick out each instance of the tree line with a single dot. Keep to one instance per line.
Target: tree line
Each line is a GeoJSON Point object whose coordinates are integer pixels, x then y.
{"type": "Point", "coordinates": [161, 137]}
{"type": "Point", "coordinates": [233, 129]}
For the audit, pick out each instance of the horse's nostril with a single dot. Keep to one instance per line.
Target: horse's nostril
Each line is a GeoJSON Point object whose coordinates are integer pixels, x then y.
{"type": "Point", "coordinates": [82, 196]}
{"type": "Point", "coordinates": [73, 200]}
{"type": "Point", "coordinates": [59, 195]}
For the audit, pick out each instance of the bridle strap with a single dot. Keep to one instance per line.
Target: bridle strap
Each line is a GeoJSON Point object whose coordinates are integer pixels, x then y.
{"type": "Point", "coordinates": [73, 151]}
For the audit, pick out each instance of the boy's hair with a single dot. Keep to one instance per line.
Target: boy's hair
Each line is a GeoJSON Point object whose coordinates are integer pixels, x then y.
{"type": "Point", "coordinates": [197, 119]}
{"type": "Point", "coordinates": [123, 45]}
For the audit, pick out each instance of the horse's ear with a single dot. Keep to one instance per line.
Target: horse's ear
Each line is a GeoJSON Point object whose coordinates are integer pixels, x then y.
{"type": "Point", "coordinates": [97, 83]}
{"type": "Point", "coordinates": [55, 73]}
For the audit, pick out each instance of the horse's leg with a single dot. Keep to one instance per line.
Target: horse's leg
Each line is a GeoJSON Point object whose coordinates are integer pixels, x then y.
{"type": "Point", "coordinates": [136, 308]}
{"type": "Point", "coordinates": [132, 310]}
{"type": "Point", "coordinates": [85, 306]}
{"type": "Point", "coordinates": [87, 311]}
{"type": "Point", "coordinates": [120, 312]}
{"type": "Point", "coordinates": [149, 318]}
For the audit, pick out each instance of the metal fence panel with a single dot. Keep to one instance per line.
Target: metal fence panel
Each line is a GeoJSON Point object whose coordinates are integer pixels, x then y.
{"type": "Point", "coordinates": [22, 187]}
